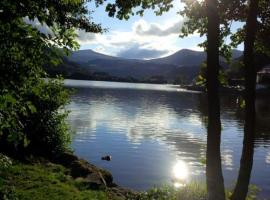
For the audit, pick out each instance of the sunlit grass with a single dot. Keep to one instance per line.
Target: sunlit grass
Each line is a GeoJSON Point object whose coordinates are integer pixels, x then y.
{"type": "Point", "coordinates": [43, 182]}
{"type": "Point", "coordinates": [191, 191]}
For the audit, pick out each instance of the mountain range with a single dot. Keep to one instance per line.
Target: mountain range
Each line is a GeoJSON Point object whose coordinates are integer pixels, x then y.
{"type": "Point", "coordinates": [184, 65]}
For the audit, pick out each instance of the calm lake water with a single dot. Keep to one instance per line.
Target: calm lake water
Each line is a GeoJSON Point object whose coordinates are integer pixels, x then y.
{"type": "Point", "coordinates": [148, 128]}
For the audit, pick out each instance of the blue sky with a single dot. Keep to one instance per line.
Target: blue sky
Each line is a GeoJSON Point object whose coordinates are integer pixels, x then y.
{"type": "Point", "coordinates": [144, 37]}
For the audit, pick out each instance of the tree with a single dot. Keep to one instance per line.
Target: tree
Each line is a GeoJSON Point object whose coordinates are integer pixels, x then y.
{"type": "Point", "coordinates": [241, 188]}
{"type": "Point", "coordinates": [206, 18]}
{"type": "Point", "coordinates": [261, 43]}
{"type": "Point", "coordinates": [29, 105]}
{"type": "Point", "coordinates": [214, 177]}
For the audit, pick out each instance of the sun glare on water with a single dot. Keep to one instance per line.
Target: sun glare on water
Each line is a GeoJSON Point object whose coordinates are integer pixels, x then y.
{"type": "Point", "coordinates": [180, 173]}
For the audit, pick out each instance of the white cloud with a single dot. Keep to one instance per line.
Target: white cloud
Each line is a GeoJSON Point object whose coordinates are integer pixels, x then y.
{"type": "Point", "coordinates": [138, 52]}
{"type": "Point", "coordinates": [154, 29]}
{"type": "Point", "coordinates": [42, 27]}
{"type": "Point", "coordinates": [85, 37]}
{"type": "Point", "coordinates": [144, 40]}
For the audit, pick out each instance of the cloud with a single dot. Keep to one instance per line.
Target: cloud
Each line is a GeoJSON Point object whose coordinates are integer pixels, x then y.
{"type": "Point", "coordinates": [42, 27]}
{"type": "Point", "coordinates": [130, 45]}
{"type": "Point", "coordinates": [85, 36]}
{"type": "Point", "coordinates": [143, 41]}
{"type": "Point", "coordinates": [154, 29]}
{"type": "Point", "coordinates": [137, 52]}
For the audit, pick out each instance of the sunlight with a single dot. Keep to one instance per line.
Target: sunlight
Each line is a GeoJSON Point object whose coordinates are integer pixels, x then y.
{"type": "Point", "coordinates": [194, 1]}
{"type": "Point", "coordinates": [178, 185]}
{"type": "Point", "coordinates": [180, 174]}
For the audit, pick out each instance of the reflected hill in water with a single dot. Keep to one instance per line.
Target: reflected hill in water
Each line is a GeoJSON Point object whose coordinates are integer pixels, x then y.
{"type": "Point", "coordinates": [188, 105]}
{"type": "Point", "coordinates": [148, 128]}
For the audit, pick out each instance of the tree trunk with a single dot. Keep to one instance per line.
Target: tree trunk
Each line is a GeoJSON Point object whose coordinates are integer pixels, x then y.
{"type": "Point", "coordinates": [214, 178]}
{"type": "Point", "coordinates": [241, 188]}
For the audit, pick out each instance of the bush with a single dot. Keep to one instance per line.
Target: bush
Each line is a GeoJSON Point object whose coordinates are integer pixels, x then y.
{"type": "Point", "coordinates": [5, 162]}
{"type": "Point", "coordinates": [46, 128]}
{"type": "Point", "coordinates": [34, 120]}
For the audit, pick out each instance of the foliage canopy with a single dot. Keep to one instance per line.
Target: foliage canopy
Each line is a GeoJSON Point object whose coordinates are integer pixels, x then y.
{"type": "Point", "coordinates": [30, 104]}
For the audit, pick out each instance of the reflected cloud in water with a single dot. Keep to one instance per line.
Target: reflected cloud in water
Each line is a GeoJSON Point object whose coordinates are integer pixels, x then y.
{"type": "Point", "coordinates": [227, 159]}
{"type": "Point", "coordinates": [146, 131]}
{"type": "Point", "coordinates": [267, 159]}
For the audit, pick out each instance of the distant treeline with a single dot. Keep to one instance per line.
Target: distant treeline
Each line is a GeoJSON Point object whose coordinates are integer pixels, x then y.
{"type": "Point", "coordinates": [233, 73]}
{"type": "Point", "coordinates": [71, 70]}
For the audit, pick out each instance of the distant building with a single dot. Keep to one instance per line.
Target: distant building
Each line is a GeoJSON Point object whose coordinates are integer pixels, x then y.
{"type": "Point", "coordinates": [263, 77]}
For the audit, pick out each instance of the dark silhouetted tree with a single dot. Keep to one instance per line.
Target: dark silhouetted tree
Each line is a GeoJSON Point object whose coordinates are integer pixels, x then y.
{"type": "Point", "coordinates": [241, 188]}
{"type": "Point", "coordinates": [214, 178]}
{"type": "Point", "coordinates": [29, 105]}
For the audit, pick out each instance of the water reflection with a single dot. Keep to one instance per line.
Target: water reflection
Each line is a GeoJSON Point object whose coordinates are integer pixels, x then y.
{"type": "Point", "coordinates": [267, 159]}
{"type": "Point", "coordinates": [146, 131]}
{"type": "Point", "coordinates": [180, 174]}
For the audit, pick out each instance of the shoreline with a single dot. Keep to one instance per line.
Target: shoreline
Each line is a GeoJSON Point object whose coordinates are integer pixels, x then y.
{"type": "Point", "coordinates": [56, 177]}
{"type": "Point", "coordinates": [66, 176]}
{"type": "Point", "coordinates": [94, 177]}
{"type": "Point", "coordinates": [187, 88]}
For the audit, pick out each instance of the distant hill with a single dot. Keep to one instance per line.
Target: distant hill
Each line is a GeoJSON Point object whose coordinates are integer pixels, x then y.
{"type": "Point", "coordinates": [88, 64]}
{"type": "Point", "coordinates": [189, 57]}
{"type": "Point", "coordinates": [182, 57]}
{"type": "Point", "coordinates": [84, 56]}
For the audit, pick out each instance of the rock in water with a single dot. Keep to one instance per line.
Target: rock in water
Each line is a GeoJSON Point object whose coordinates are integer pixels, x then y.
{"type": "Point", "coordinates": [108, 158]}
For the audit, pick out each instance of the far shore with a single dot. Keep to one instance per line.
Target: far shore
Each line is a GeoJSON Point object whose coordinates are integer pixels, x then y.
{"type": "Point", "coordinates": [189, 87]}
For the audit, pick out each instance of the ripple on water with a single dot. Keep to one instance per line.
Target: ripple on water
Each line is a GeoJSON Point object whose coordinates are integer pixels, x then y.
{"type": "Point", "coordinates": [149, 128]}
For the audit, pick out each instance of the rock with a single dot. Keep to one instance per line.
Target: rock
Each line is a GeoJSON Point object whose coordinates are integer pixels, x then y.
{"type": "Point", "coordinates": [93, 181]}
{"type": "Point", "coordinates": [82, 168]}
{"type": "Point", "coordinates": [65, 159]}
{"type": "Point", "coordinates": [108, 158]}
{"type": "Point", "coordinates": [107, 177]}
{"type": "Point", "coordinates": [123, 193]}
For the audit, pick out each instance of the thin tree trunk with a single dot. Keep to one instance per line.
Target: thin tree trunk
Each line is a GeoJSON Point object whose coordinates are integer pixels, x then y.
{"type": "Point", "coordinates": [214, 177]}
{"type": "Point", "coordinates": [241, 188]}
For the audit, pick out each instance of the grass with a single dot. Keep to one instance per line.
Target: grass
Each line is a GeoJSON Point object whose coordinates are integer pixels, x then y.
{"type": "Point", "coordinates": [192, 191]}
{"type": "Point", "coordinates": [43, 182]}
{"type": "Point", "coordinates": [47, 181]}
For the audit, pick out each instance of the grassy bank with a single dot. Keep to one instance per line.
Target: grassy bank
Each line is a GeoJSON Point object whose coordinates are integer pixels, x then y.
{"type": "Point", "coordinates": [43, 180]}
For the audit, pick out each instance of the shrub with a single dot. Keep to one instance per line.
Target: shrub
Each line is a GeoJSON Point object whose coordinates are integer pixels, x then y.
{"type": "Point", "coordinates": [46, 129]}
{"type": "Point", "coordinates": [5, 162]}
{"type": "Point", "coordinates": [34, 121]}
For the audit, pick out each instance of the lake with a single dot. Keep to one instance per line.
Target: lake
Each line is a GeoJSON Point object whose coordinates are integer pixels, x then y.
{"type": "Point", "coordinates": [149, 128]}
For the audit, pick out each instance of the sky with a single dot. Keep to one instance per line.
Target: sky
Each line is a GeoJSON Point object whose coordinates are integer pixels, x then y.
{"type": "Point", "coordinates": [144, 37]}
